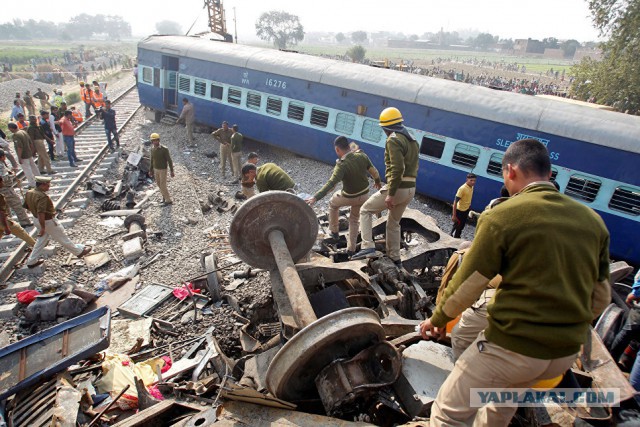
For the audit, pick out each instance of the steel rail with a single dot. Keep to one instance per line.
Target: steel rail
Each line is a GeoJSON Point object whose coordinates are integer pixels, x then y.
{"type": "Point", "coordinates": [7, 269]}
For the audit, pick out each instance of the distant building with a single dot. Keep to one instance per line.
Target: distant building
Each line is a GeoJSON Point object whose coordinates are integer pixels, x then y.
{"type": "Point", "coordinates": [554, 53]}
{"type": "Point", "coordinates": [524, 46]}
{"type": "Point", "coordinates": [595, 54]}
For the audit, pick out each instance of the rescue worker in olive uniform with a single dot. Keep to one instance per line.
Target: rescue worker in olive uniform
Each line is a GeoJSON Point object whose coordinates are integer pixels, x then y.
{"type": "Point", "coordinates": [223, 136]}
{"type": "Point", "coordinates": [40, 205]}
{"type": "Point", "coordinates": [401, 161]}
{"type": "Point", "coordinates": [25, 150]}
{"type": "Point", "coordinates": [236, 151]}
{"type": "Point", "coordinates": [11, 198]}
{"type": "Point", "coordinates": [160, 161]}
{"type": "Point", "coordinates": [351, 168]}
{"type": "Point", "coordinates": [37, 135]}
{"type": "Point", "coordinates": [8, 226]}
{"type": "Point", "coordinates": [268, 177]}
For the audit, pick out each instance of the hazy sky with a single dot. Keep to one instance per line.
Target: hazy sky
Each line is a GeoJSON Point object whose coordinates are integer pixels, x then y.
{"type": "Point", "coordinates": [563, 19]}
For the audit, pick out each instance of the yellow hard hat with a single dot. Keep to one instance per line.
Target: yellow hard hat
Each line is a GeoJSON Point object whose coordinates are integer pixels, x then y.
{"type": "Point", "coordinates": [390, 116]}
{"type": "Point", "coordinates": [154, 136]}
{"type": "Point", "coordinates": [81, 83]}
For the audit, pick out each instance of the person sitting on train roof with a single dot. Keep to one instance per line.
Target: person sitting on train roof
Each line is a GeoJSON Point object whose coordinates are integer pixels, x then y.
{"type": "Point", "coordinates": [539, 317]}
{"type": "Point", "coordinates": [268, 177]}
{"type": "Point", "coordinates": [353, 170]}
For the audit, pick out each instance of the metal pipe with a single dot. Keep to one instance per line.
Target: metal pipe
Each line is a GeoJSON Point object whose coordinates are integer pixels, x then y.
{"type": "Point", "coordinates": [115, 399]}
{"type": "Point", "coordinates": [302, 309]}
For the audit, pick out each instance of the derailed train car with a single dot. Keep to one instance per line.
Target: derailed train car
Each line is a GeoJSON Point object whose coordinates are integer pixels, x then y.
{"type": "Point", "coordinates": [300, 103]}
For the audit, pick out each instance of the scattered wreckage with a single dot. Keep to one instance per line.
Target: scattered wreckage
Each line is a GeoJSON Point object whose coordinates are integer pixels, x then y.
{"type": "Point", "coordinates": [338, 347]}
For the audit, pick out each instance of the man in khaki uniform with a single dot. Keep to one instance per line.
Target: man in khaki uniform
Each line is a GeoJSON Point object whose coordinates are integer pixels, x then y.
{"type": "Point", "coordinates": [30, 104]}
{"type": "Point", "coordinates": [40, 205]}
{"type": "Point", "coordinates": [223, 136]}
{"type": "Point", "coordinates": [11, 198]}
{"type": "Point", "coordinates": [268, 177]}
{"type": "Point", "coordinates": [8, 226]}
{"type": "Point", "coordinates": [236, 151]}
{"type": "Point", "coordinates": [160, 161]}
{"type": "Point", "coordinates": [25, 151]}
{"type": "Point", "coordinates": [401, 161]}
{"type": "Point", "coordinates": [351, 168]}
{"type": "Point", "coordinates": [188, 116]}
{"type": "Point", "coordinates": [38, 137]}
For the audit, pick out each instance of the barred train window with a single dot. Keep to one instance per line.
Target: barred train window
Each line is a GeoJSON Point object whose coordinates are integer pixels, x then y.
{"type": "Point", "coordinates": [173, 76]}
{"type": "Point", "coordinates": [626, 199]}
{"type": "Point", "coordinates": [554, 174]}
{"type": "Point", "coordinates": [234, 96]}
{"type": "Point", "coordinates": [295, 111]}
{"type": "Point", "coordinates": [216, 91]}
{"type": "Point", "coordinates": [583, 188]}
{"type": "Point", "coordinates": [495, 164]}
{"type": "Point", "coordinates": [274, 106]}
{"type": "Point", "coordinates": [345, 123]}
{"type": "Point", "coordinates": [431, 147]}
{"type": "Point", "coordinates": [147, 75]}
{"type": "Point", "coordinates": [465, 155]}
{"type": "Point", "coordinates": [371, 131]}
{"type": "Point", "coordinates": [319, 117]}
{"type": "Point", "coordinates": [184, 84]}
{"type": "Point", "coordinates": [254, 100]}
{"type": "Point", "coordinates": [200, 88]}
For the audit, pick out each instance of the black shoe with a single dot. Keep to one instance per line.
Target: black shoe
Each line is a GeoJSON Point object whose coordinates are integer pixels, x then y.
{"type": "Point", "coordinates": [398, 263]}
{"type": "Point", "coordinates": [26, 224]}
{"type": "Point", "coordinates": [37, 263]}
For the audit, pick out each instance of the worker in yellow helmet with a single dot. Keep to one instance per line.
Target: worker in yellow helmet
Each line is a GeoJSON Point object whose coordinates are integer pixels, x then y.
{"type": "Point", "coordinates": [401, 161]}
{"type": "Point", "coordinates": [160, 162]}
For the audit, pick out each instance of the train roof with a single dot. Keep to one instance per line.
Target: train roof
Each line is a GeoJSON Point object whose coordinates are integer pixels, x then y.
{"type": "Point", "coordinates": [611, 129]}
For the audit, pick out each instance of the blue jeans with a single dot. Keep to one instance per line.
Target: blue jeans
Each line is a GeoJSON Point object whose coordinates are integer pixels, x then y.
{"type": "Point", "coordinates": [112, 134]}
{"type": "Point", "coordinates": [70, 142]}
{"type": "Point", "coordinates": [634, 377]}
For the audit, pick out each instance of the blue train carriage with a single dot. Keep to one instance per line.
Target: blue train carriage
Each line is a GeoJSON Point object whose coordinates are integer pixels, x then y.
{"type": "Point", "coordinates": [302, 102]}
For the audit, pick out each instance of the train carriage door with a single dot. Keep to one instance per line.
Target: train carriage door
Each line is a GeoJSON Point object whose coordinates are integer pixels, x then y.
{"type": "Point", "coordinates": [170, 77]}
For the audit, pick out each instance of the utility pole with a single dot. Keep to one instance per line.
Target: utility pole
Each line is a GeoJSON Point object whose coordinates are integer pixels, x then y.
{"type": "Point", "coordinates": [235, 25]}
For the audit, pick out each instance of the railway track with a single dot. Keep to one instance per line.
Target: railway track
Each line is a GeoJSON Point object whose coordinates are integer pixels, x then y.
{"type": "Point", "coordinates": [92, 150]}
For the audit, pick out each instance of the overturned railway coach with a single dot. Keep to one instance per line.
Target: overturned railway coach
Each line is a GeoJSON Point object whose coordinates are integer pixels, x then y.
{"type": "Point", "coordinates": [300, 103]}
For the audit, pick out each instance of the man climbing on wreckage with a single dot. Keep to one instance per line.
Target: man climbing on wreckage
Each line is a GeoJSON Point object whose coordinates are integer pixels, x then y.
{"type": "Point", "coordinates": [553, 255]}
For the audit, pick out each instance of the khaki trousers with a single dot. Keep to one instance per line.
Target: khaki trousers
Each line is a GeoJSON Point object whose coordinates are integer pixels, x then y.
{"type": "Point", "coordinates": [44, 163]}
{"type": "Point", "coordinates": [485, 364]}
{"type": "Point", "coordinates": [225, 156]}
{"type": "Point", "coordinates": [161, 180]}
{"type": "Point", "coordinates": [30, 170]}
{"type": "Point", "coordinates": [14, 202]}
{"type": "Point", "coordinates": [19, 232]}
{"type": "Point", "coordinates": [53, 230]}
{"type": "Point", "coordinates": [338, 201]}
{"type": "Point", "coordinates": [236, 161]}
{"type": "Point", "coordinates": [375, 205]}
{"type": "Point", "coordinates": [44, 104]}
{"type": "Point", "coordinates": [189, 127]}
{"type": "Point", "coordinates": [471, 323]}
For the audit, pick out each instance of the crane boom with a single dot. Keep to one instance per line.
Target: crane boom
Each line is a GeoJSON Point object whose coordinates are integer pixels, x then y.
{"type": "Point", "coordinates": [217, 21]}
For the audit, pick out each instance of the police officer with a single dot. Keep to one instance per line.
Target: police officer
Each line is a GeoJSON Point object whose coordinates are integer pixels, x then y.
{"type": "Point", "coordinates": [7, 225]}
{"type": "Point", "coordinates": [223, 136]}
{"type": "Point", "coordinates": [40, 205]}
{"type": "Point", "coordinates": [351, 168]}
{"type": "Point", "coordinates": [10, 196]}
{"type": "Point", "coordinates": [160, 161]}
{"type": "Point", "coordinates": [268, 177]}
{"type": "Point", "coordinates": [236, 151]}
{"type": "Point", "coordinates": [25, 150]}
{"type": "Point", "coordinates": [401, 161]}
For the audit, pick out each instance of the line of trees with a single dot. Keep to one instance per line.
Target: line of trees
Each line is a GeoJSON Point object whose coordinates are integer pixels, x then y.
{"type": "Point", "coordinates": [80, 27]}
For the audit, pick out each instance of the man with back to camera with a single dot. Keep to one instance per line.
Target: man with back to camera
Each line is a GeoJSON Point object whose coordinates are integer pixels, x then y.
{"type": "Point", "coordinates": [7, 225]}
{"type": "Point", "coordinates": [11, 198]}
{"type": "Point", "coordinates": [401, 161]}
{"type": "Point", "coordinates": [25, 150]}
{"type": "Point", "coordinates": [352, 168]}
{"type": "Point", "coordinates": [553, 255]}
{"type": "Point", "coordinates": [462, 205]}
{"type": "Point", "coordinates": [160, 162]}
{"type": "Point", "coordinates": [110, 127]}
{"type": "Point", "coordinates": [236, 152]}
{"type": "Point", "coordinates": [188, 116]}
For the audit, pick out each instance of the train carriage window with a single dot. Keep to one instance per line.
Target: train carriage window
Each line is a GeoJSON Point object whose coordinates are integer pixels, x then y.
{"type": "Point", "coordinates": [345, 123]}
{"type": "Point", "coordinates": [465, 155]}
{"type": "Point", "coordinates": [554, 174]}
{"type": "Point", "coordinates": [184, 84]}
{"type": "Point", "coordinates": [254, 100]}
{"type": "Point", "coordinates": [234, 96]}
{"type": "Point", "coordinates": [583, 188]}
{"type": "Point", "coordinates": [431, 147]}
{"type": "Point", "coordinates": [295, 111]}
{"type": "Point", "coordinates": [319, 117]}
{"type": "Point", "coordinates": [172, 78]}
{"type": "Point", "coordinates": [371, 130]}
{"type": "Point", "coordinates": [626, 199]}
{"type": "Point", "coordinates": [216, 91]}
{"type": "Point", "coordinates": [495, 164]}
{"type": "Point", "coordinates": [147, 75]}
{"type": "Point", "coordinates": [200, 87]}
{"type": "Point", "coordinates": [274, 106]}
